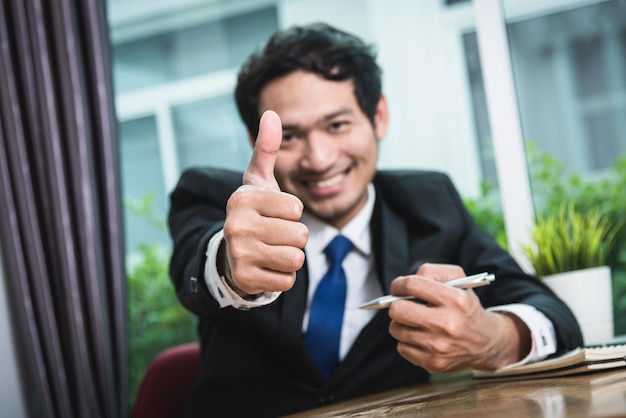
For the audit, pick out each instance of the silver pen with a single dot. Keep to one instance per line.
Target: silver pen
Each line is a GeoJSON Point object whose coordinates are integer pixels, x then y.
{"type": "Point", "coordinates": [468, 282]}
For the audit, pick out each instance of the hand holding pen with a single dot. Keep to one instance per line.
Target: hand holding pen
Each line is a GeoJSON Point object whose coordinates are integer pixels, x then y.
{"type": "Point", "coordinates": [450, 329]}
{"type": "Point", "coordinates": [468, 282]}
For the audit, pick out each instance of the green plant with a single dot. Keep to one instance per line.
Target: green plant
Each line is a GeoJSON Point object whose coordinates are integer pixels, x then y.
{"type": "Point", "coordinates": [487, 212]}
{"type": "Point", "coordinates": [554, 187]}
{"type": "Point", "coordinates": [157, 319]}
{"type": "Point", "coordinates": [568, 240]}
{"type": "Point", "coordinates": [143, 207]}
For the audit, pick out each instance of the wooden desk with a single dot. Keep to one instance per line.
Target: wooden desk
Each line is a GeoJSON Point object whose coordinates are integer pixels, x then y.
{"type": "Point", "coordinates": [589, 395]}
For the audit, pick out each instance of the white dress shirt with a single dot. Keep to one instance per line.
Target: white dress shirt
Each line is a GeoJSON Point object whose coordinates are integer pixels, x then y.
{"type": "Point", "coordinates": [363, 284]}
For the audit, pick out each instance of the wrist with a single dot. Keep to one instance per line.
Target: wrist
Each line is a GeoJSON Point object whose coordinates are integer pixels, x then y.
{"type": "Point", "coordinates": [517, 341]}
{"type": "Point", "coordinates": [223, 268]}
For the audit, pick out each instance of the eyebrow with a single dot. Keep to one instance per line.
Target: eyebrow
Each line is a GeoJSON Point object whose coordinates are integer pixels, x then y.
{"type": "Point", "coordinates": [325, 118]}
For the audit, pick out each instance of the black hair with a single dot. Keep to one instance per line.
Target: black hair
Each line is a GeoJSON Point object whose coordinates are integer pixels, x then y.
{"type": "Point", "coordinates": [317, 48]}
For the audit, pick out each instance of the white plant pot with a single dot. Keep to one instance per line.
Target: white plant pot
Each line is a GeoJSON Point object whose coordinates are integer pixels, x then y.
{"type": "Point", "coordinates": [588, 294]}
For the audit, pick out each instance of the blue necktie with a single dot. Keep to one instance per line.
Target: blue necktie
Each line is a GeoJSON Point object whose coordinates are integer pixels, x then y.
{"type": "Point", "coordinates": [326, 316]}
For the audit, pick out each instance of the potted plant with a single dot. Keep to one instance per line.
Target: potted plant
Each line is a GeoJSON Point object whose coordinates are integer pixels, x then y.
{"type": "Point", "coordinates": [569, 252]}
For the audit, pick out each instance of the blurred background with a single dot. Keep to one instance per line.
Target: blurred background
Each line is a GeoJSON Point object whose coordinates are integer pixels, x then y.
{"type": "Point", "coordinates": [175, 65]}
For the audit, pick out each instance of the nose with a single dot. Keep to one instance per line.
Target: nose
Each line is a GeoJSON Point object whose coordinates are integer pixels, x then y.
{"type": "Point", "coordinates": [320, 152]}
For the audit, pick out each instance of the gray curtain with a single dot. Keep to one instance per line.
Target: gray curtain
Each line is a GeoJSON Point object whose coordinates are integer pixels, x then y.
{"type": "Point", "coordinates": [60, 212]}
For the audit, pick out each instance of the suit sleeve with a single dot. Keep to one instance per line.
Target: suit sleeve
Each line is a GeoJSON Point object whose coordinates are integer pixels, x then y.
{"type": "Point", "coordinates": [197, 212]}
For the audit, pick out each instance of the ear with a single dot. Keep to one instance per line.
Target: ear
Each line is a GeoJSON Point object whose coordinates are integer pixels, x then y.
{"type": "Point", "coordinates": [381, 118]}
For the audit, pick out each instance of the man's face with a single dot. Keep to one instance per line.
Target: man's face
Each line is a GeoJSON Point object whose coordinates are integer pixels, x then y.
{"type": "Point", "coordinates": [329, 149]}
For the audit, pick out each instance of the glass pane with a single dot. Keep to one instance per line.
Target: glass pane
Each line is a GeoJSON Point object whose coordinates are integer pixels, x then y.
{"type": "Point", "coordinates": [569, 62]}
{"type": "Point", "coordinates": [210, 133]}
{"type": "Point", "coordinates": [174, 63]}
{"type": "Point", "coordinates": [479, 103]}
{"type": "Point", "coordinates": [142, 183]}
{"type": "Point", "coordinates": [190, 51]}
{"type": "Point", "coordinates": [570, 78]}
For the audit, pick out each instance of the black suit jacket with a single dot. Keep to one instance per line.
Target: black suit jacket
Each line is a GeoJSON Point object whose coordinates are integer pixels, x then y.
{"type": "Point", "coordinates": [254, 362]}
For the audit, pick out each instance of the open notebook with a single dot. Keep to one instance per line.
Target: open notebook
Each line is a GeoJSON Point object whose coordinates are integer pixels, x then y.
{"type": "Point", "coordinates": [580, 360]}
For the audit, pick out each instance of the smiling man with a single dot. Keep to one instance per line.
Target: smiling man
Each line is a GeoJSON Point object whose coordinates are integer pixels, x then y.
{"type": "Point", "coordinates": [276, 261]}
{"type": "Point", "coordinates": [329, 148]}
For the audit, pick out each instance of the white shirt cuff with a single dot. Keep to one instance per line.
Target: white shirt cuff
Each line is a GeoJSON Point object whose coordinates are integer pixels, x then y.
{"type": "Point", "coordinates": [543, 337]}
{"type": "Point", "coordinates": [220, 290]}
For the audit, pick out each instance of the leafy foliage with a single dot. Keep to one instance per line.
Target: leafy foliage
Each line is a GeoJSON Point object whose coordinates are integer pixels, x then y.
{"type": "Point", "coordinates": [568, 240]}
{"type": "Point", "coordinates": [553, 189]}
{"type": "Point", "coordinates": [487, 212]}
{"type": "Point", "coordinates": [144, 208]}
{"type": "Point", "coordinates": [157, 319]}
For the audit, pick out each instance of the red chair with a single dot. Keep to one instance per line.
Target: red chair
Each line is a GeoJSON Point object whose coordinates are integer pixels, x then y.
{"type": "Point", "coordinates": [166, 386]}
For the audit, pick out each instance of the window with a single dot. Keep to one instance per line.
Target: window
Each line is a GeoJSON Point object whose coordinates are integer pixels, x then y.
{"type": "Point", "coordinates": [143, 183]}
{"type": "Point", "coordinates": [174, 102]}
{"type": "Point", "coordinates": [175, 67]}
{"type": "Point", "coordinates": [210, 132]}
{"type": "Point", "coordinates": [568, 64]}
{"type": "Point", "coordinates": [189, 51]}
{"type": "Point", "coordinates": [569, 71]}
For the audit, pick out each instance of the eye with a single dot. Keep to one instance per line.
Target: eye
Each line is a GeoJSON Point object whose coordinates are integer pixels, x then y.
{"type": "Point", "coordinates": [338, 126]}
{"type": "Point", "coordinates": [289, 136]}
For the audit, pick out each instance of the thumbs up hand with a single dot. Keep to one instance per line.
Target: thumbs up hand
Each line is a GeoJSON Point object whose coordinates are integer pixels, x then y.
{"type": "Point", "coordinates": [262, 233]}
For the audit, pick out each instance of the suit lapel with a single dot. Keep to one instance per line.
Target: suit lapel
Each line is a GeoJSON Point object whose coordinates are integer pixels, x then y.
{"type": "Point", "coordinates": [390, 240]}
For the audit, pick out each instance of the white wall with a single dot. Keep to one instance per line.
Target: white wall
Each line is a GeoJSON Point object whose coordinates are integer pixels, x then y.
{"type": "Point", "coordinates": [11, 398]}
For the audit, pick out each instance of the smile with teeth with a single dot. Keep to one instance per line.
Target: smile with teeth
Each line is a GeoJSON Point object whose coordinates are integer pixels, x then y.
{"type": "Point", "coordinates": [328, 182]}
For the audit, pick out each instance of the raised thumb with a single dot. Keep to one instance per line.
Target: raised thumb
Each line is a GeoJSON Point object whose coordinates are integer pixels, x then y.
{"type": "Point", "coordinates": [260, 171]}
